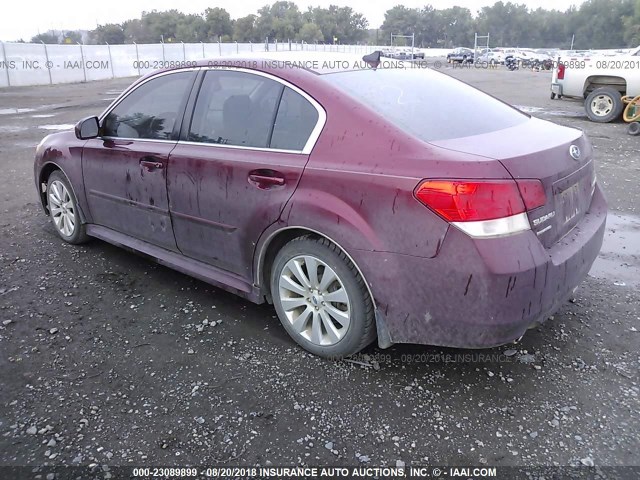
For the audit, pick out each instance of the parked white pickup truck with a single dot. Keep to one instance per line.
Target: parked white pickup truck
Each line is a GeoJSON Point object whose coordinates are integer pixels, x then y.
{"type": "Point", "coordinates": [600, 80]}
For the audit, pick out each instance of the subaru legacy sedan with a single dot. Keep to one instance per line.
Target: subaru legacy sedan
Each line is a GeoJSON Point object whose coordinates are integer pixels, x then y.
{"type": "Point", "coordinates": [356, 201]}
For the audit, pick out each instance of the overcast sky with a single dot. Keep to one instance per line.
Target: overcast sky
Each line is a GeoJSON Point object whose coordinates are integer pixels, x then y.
{"type": "Point", "coordinates": [25, 18]}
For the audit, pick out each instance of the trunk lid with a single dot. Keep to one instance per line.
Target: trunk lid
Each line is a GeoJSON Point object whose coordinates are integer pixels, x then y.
{"type": "Point", "coordinates": [560, 157]}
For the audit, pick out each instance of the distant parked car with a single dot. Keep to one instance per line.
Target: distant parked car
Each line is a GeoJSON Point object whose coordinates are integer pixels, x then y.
{"type": "Point", "coordinates": [406, 53]}
{"type": "Point", "coordinates": [461, 55]}
{"type": "Point", "coordinates": [532, 59]}
{"type": "Point", "coordinates": [490, 57]}
{"type": "Point", "coordinates": [354, 201]}
{"type": "Point", "coordinates": [414, 53]}
{"type": "Point", "coordinates": [387, 52]}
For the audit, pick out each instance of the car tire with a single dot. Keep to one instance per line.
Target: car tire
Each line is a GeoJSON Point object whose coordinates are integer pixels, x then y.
{"type": "Point", "coordinates": [634, 129]}
{"type": "Point", "coordinates": [63, 209]}
{"type": "Point", "coordinates": [307, 272]}
{"type": "Point", "coordinates": [604, 105]}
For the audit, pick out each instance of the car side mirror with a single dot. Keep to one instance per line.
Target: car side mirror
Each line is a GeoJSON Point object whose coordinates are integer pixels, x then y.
{"type": "Point", "coordinates": [87, 128]}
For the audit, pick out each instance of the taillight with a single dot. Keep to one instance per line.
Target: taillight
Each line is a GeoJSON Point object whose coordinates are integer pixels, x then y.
{"type": "Point", "coordinates": [483, 208]}
{"type": "Point", "coordinates": [532, 192]}
{"type": "Point", "coordinates": [561, 69]}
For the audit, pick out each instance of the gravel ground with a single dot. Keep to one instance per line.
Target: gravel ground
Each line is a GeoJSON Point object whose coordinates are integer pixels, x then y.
{"type": "Point", "coordinates": [109, 358]}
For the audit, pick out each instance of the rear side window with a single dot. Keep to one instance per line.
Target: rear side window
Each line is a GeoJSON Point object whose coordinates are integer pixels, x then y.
{"type": "Point", "coordinates": [295, 121]}
{"type": "Point", "coordinates": [151, 110]}
{"type": "Point", "coordinates": [235, 108]}
{"type": "Point", "coordinates": [427, 104]}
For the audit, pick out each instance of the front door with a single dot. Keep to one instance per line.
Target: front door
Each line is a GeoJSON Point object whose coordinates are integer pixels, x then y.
{"type": "Point", "coordinates": [242, 158]}
{"type": "Point", "coordinates": [125, 170]}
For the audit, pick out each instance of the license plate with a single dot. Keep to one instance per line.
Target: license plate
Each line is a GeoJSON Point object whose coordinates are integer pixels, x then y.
{"type": "Point", "coordinates": [570, 201]}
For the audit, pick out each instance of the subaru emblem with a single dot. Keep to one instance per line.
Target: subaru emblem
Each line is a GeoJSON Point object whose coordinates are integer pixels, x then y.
{"type": "Point", "coordinates": [574, 151]}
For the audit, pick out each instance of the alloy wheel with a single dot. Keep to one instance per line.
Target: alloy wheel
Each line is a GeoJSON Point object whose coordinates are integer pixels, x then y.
{"type": "Point", "coordinates": [62, 208]}
{"type": "Point", "coordinates": [314, 300]}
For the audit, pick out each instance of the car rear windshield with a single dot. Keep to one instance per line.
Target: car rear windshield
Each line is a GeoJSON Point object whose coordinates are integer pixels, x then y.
{"type": "Point", "coordinates": [429, 105]}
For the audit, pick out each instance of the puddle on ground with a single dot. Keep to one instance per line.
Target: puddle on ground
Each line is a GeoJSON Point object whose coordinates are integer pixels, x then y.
{"type": "Point", "coordinates": [15, 111]}
{"type": "Point", "coordinates": [12, 129]}
{"type": "Point", "coordinates": [21, 145]}
{"type": "Point", "coordinates": [62, 126]}
{"type": "Point", "coordinates": [619, 259]}
{"type": "Point", "coordinates": [543, 111]}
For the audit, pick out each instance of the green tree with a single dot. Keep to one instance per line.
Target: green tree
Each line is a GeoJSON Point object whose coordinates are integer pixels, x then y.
{"type": "Point", "coordinates": [133, 30]}
{"type": "Point", "coordinates": [400, 20]}
{"type": "Point", "coordinates": [310, 33]}
{"type": "Point", "coordinates": [47, 37]}
{"type": "Point", "coordinates": [456, 27]}
{"type": "Point", "coordinates": [507, 23]}
{"type": "Point", "coordinates": [219, 23]}
{"type": "Point", "coordinates": [111, 33]}
{"type": "Point", "coordinates": [280, 21]}
{"type": "Point", "coordinates": [600, 23]}
{"type": "Point", "coordinates": [351, 27]}
{"type": "Point", "coordinates": [192, 28]}
{"type": "Point", "coordinates": [325, 20]}
{"type": "Point", "coordinates": [163, 26]}
{"type": "Point", "coordinates": [632, 26]}
{"type": "Point", "coordinates": [244, 29]}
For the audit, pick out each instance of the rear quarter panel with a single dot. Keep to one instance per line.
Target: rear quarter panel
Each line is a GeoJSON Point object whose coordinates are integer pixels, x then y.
{"type": "Point", "coordinates": [358, 185]}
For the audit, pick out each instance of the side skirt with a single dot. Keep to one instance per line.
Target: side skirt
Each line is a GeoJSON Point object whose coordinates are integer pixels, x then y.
{"type": "Point", "coordinates": [194, 268]}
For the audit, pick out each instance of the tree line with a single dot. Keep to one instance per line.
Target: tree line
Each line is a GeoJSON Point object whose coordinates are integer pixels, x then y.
{"type": "Point", "coordinates": [594, 24]}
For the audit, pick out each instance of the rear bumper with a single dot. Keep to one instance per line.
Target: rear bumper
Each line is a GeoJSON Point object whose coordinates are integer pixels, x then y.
{"type": "Point", "coordinates": [481, 293]}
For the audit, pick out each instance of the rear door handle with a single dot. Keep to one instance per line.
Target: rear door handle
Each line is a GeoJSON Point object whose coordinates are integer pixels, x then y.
{"type": "Point", "coordinates": [151, 163]}
{"type": "Point", "coordinates": [265, 179]}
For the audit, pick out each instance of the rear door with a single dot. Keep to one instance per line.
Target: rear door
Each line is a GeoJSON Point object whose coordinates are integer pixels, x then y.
{"type": "Point", "coordinates": [124, 170]}
{"type": "Point", "coordinates": [239, 161]}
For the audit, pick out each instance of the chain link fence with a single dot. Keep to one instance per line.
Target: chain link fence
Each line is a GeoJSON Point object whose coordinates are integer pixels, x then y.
{"type": "Point", "coordinates": [24, 64]}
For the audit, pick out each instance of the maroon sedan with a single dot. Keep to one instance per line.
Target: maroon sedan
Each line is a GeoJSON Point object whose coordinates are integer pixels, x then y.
{"type": "Point", "coordinates": [400, 204]}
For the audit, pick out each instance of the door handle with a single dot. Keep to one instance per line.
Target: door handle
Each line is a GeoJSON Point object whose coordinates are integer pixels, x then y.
{"type": "Point", "coordinates": [151, 163]}
{"type": "Point", "coordinates": [265, 179]}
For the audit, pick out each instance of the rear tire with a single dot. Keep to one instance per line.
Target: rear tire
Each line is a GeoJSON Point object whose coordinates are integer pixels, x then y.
{"type": "Point", "coordinates": [321, 299]}
{"type": "Point", "coordinates": [63, 209]}
{"type": "Point", "coordinates": [604, 105]}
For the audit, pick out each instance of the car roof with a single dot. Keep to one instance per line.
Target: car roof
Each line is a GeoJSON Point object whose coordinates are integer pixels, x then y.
{"type": "Point", "coordinates": [317, 62]}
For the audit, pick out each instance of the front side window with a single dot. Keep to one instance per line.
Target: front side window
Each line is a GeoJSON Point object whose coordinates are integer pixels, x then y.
{"type": "Point", "coordinates": [151, 111]}
{"type": "Point", "coordinates": [235, 108]}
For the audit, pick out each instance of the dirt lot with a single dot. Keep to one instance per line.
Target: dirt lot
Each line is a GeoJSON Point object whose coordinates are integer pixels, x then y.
{"type": "Point", "coordinates": [109, 358]}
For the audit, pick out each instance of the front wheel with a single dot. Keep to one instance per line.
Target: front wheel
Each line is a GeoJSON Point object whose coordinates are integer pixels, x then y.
{"type": "Point", "coordinates": [63, 209]}
{"type": "Point", "coordinates": [604, 105]}
{"type": "Point", "coordinates": [321, 299]}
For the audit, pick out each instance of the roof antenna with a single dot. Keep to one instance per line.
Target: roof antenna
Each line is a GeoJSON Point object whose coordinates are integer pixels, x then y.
{"type": "Point", "coordinates": [373, 59]}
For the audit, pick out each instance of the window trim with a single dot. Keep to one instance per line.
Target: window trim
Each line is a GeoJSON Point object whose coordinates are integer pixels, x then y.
{"type": "Point", "coordinates": [311, 140]}
{"type": "Point", "coordinates": [188, 112]}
